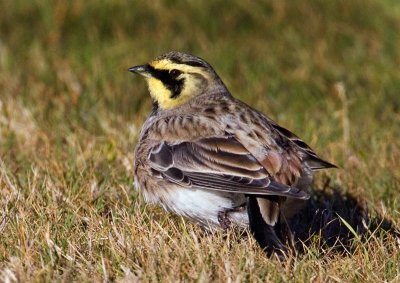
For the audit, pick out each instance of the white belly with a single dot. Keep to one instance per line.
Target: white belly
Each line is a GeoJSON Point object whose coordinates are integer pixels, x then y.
{"type": "Point", "coordinates": [203, 206]}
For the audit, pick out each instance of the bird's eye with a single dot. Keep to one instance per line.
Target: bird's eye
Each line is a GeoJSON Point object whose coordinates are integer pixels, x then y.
{"type": "Point", "coordinates": [175, 73]}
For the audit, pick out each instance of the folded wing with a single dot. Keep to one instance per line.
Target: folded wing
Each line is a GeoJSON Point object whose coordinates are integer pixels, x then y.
{"type": "Point", "coordinates": [216, 163]}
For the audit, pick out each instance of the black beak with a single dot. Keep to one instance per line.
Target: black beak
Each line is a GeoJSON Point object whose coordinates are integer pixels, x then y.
{"type": "Point", "coordinates": [143, 70]}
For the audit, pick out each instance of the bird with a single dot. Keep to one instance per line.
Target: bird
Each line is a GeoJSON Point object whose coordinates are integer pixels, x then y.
{"type": "Point", "coordinates": [207, 156]}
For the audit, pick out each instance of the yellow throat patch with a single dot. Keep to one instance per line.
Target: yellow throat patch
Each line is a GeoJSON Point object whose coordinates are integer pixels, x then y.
{"type": "Point", "coordinates": [162, 94]}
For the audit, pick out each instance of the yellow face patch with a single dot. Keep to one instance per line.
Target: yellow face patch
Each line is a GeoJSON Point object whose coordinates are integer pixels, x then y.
{"type": "Point", "coordinates": [166, 64]}
{"type": "Point", "coordinates": [162, 95]}
{"type": "Point", "coordinates": [191, 87]}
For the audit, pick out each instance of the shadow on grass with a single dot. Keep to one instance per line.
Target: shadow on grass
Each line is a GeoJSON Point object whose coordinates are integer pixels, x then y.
{"type": "Point", "coordinates": [328, 215]}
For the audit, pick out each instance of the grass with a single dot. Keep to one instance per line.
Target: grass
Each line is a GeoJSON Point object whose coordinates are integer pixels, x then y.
{"type": "Point", "coordinates": [70, 114]}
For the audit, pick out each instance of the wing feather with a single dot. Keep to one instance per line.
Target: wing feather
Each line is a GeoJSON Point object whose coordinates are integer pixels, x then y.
{"type": "Point", "coordinates": [217, 163]}
{"type": "Point", "coordinates": [310, 157]}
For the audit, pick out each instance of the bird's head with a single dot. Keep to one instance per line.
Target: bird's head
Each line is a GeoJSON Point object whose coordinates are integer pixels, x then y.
{"type": "Point", "coordinates": [175, 78]}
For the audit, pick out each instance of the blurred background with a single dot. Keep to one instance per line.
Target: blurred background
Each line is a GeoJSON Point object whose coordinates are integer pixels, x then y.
{"type": "Point", "coordinates": [70, 112]}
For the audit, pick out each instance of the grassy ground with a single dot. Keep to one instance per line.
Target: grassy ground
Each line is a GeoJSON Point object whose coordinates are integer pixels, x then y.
{"type": "Point", "coordinates": [70, 114]}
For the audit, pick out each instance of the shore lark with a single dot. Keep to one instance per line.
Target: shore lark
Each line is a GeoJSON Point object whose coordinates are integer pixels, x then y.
{"type": "Point", "coordinates": [209, 157]}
